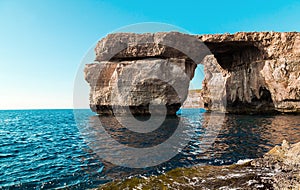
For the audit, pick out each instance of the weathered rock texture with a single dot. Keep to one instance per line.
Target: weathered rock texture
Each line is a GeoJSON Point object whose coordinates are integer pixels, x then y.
{"type": "Point", "coordinates": [285, 161]}
{"type": "Point", "coordinates": [244, 73]}
{"type": "Point", "coordinates": [194, 99]}
{"type": "Point", "coordinates": [261, 69]}
{"type": "Point", "coordinates": [126, 84]}
{"type": "Point", "coordinates": [143, 71]}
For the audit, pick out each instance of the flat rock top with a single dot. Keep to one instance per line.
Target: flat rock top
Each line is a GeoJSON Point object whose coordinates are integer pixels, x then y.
{"type": "Point", "coordinates": [246, 36]}
{"type": "Point", "coordinates": [160, 44]}
{"type": "Point", "coordinates": [194, 47]}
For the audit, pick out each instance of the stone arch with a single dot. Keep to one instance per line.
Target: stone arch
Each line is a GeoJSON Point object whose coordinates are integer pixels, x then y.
{"type": "Point", "coordinates": [261, 69]}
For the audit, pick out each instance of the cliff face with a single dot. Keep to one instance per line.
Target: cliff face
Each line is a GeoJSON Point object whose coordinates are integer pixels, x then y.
{"type": "Point", "coordinates": [141, 72]}
{"type": "Point", "coordinates": [261, 69]}
{"type": "Point", "coordinates": [250, 72]}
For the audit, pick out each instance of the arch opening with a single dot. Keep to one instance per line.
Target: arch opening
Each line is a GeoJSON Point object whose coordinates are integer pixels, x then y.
{"type": "Point", "coordinates": [194, 98]}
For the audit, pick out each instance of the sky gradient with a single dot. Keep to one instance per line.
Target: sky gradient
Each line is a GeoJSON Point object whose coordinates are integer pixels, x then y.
{"type": "Point", "coordinates": [43, 42]}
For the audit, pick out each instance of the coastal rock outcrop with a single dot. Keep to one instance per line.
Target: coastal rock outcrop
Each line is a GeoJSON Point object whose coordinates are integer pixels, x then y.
{"type": "Point", "coordinates": [143, 73]}
{"type": "Point", "coordinates": [246, 72]}
{"type": "Point", "coordinates": [285, 161]}
{"type": "Point", "coordinates": [261, 69]}
{"type": "Point", "coordinates": [125, 84]}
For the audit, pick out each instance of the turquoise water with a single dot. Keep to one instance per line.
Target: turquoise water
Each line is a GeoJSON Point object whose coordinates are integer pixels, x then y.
{"type": "Point", "coordinates": [45, 149]}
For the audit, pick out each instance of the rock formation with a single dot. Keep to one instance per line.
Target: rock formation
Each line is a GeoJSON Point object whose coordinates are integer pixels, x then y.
{"type": "Point", "coordinates": [244, 72]}
{"type": "Point", "coordinates": [143, 73]}
{"type": "Point", "coordinates": [261, 69]}
{"type": "Point", "coordinates": [285, 160]}
{"type": "Point", "coordinates": [194, 99]}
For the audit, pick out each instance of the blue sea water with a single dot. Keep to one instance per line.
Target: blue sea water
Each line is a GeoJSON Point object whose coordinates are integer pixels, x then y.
{"type": "Point", "coordinates": [42, 149]}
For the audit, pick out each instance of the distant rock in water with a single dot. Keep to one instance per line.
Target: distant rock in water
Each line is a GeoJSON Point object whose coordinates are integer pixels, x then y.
{"type": "Point", "coordinates": [194, 99]}
{"type": "Point", "coordinates": [246, 72]}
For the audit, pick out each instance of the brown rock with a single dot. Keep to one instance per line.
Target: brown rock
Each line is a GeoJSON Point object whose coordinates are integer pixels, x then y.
{"type": "Point", "coordinates": [261, 69]}
{"type": "Point", "coordinates": [126, 46]}
{"type": "Point", "coordinates": [139, 72]}
{"type": "Point", "coordinates": [137, 84]}
{"type": "Point", "coordinates": [285, 161]}
{"type": "Point", "coordinates": [194, 99]}
{"type": "Point", "coordinates": [253, 72]}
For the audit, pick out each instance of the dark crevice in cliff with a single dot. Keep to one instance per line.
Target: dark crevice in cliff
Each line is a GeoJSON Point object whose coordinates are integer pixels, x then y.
{"type": "Point", "coordinates": [265, 94]}
{"type": "Point", "coordinates": [261, 104]}
{"type": "Point", "coordinates": [264, 102]}
{"type": "Point", "coordinates": [290, 100]}
{"type": "Point", "coordinates": [118, 59]}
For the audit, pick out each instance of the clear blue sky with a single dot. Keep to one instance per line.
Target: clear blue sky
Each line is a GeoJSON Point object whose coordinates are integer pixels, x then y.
{"type": "Point", "coordinates": [43, 42]}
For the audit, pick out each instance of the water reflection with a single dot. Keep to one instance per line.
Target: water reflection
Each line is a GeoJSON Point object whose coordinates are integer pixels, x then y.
{"type": "Point", "coordinates": [123, 135]}
{"type": "Point", "coordinates": [250, 136]}
{"type": "Point", "coordinates": [239, 137]}
{"type": "Point", "coordinates": [155, 147]}
{"type": "Point", "coordinates": [115, 143]}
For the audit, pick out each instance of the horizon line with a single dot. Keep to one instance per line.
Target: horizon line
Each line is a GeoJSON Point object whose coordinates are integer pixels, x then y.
{"type": "Point", "coordinates": [20, 109]}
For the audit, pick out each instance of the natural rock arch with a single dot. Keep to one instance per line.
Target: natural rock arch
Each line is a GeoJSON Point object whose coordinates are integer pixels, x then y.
{"type": "Point", "coordinates": [260, 70]}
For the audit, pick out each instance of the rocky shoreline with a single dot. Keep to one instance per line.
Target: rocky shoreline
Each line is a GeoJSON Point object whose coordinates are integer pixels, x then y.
{"type": "Point", "coordinates": [278, 169]}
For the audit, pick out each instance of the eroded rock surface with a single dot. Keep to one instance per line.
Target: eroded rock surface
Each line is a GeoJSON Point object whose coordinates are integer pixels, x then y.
{"type": "Point", "coordinates": [142, 72]}
{"type": "Point", "coordinates": [136, 84]}
{"type": "Point", "coordinates": [284, 160]}
{"type": "Point", "coordinates": [254, 72]}
{"type": "Point", "coordinates": [261, 69]}
{"type": "Point", "coordinates": [194, 99]}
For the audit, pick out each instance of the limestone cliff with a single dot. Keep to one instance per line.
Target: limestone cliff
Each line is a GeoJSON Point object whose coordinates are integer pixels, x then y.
{"type": "Point", "coordinates": [249, 72]}
{"type": "Point", "coordinates": [261, 69]}
{"type": "Point", "coordinates": [143, 73]}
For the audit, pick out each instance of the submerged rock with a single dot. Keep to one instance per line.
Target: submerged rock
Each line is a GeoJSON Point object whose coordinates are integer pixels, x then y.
{"type": "Point", "coordinates": [278, 169]}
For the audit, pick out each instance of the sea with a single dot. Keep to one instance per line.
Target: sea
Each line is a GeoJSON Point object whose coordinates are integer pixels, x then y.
{"type": "Point", "coordinates": [54, 149]}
